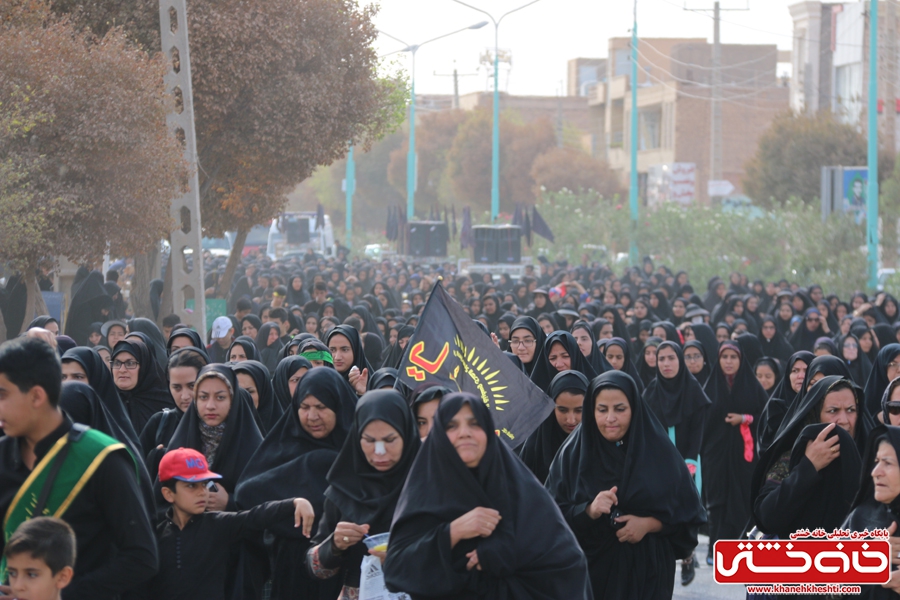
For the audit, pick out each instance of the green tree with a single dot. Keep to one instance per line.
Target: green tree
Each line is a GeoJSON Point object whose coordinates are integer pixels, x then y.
{"type": "Point", "coordinates": [792, 152]}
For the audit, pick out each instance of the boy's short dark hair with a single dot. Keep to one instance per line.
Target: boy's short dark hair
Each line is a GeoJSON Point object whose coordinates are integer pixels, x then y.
{"type": "Point", "coordinates": [354, 323]}
{"type": "Point", "coordinates": [169, 484]}
{"type": "Point", "coordinates": [171, 321]}
{"type": "Point", "coordinates": [320, 286]}
{"type": "Point", "coordinates": [278, 313]}
{"type": "Point", "coordinates": [244, 304]}
{"type": "Point", "coordinates": [112, 275]}
{"type": "Point", "coordinates": [45, 538]}
{"type": "Point", "coordinates": [28, 362]}
{"type": "Point", "coordinates": [281, 290]}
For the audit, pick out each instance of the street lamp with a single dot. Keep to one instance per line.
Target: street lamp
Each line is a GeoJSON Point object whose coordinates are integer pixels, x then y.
{"type": "Point", "coordinates": [411, 155]}
{"type": "Point", "coordinates": [495, 150]}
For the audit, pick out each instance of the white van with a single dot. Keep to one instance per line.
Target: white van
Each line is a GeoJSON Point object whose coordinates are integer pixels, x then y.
{"type": "Point", "coordinates": [292, 233]}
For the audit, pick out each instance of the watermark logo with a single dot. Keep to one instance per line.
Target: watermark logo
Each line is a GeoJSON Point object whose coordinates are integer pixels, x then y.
{"type": "Point", "coordinates": [824, 559]}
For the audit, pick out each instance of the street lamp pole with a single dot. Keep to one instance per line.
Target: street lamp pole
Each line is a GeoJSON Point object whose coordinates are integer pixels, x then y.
{"type": "Point", "coordinates": [495, 145]}
{"type": "Point", "coordinates": [411, 159]}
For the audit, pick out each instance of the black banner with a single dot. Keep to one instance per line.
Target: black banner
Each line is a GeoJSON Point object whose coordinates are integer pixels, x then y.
{"type": "Point", "coordinates": [449, 349]}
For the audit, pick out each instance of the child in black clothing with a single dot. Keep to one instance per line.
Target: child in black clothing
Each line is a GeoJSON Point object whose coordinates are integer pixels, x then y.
{"type": "Point", "coordinates": [194, 545]}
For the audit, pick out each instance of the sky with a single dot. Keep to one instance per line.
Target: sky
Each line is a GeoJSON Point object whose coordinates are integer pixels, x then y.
{"type": "Point", "coordinates": [544, 36]}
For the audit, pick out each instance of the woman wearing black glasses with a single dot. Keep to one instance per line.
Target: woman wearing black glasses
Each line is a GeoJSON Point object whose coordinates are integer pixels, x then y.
{"type": "Point", "coordinates": [140, 380]}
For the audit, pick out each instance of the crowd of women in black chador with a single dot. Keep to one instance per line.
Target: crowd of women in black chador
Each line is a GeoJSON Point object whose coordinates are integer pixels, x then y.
{"type": "Point", "coordinates": [751, 410]}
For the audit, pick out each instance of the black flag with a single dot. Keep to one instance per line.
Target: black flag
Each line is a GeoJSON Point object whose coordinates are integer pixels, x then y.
{"type": "Point", "coordinates": [448, 349]}
{"type": "Point", "coordinates": [453, 232]}
{"type": "Point", "coordinates": [526, 229]}
{"type": "Point", "coordinates": [539, 226]}
{"type": "Point", "coordinates": [320, 217]}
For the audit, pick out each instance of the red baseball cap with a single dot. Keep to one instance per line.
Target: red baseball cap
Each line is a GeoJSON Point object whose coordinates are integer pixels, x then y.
{"type": "Point", "coordinates": [185, 464]}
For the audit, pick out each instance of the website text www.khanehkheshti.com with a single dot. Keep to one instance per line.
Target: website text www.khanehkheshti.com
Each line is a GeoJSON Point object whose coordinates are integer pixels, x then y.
{"type": "Point", "coordinates": [804, 588]}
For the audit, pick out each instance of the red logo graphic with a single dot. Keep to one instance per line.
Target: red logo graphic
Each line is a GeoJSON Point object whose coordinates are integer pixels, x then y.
{"type": "Point", "coordinates": [803, 561]}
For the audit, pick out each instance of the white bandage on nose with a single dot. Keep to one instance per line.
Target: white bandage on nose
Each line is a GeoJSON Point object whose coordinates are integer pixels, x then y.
{"type": "Point", "coordinates": [379, 448]}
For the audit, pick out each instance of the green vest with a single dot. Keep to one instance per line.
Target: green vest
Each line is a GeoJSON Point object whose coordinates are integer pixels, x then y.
{"type": "Point", "coordinates": [82, 459]}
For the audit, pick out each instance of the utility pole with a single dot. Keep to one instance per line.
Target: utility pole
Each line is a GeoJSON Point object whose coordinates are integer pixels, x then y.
{"type": "Point", "coordinates": [633, 143]}
{"type": "Point", "coordinates": [872, 190]}
{"type": "Point", "coordinates": [715, 125]}
{"type": "Point", "coordinates": [559, 116]}
{"type": "Point", "coordinates": [455, 75]}
{"type": "Point", "coordinates": [715, 129]}
{"type": "Point", "coordinates": [350, 189]}
{"type": "Point", "coordinates": [185, 208]}
{"type": "Point", "coordinates": [889, 88]}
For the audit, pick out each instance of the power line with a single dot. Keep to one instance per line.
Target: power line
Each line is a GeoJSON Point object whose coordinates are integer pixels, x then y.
{"type": "Point", "coordinates": [705, 68]}
{"type": "Point", "coordinates": [698, 84]}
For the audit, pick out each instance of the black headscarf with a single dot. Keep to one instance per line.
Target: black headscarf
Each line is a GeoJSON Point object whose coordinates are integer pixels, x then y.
{"type": "Point", "coordinates": [42, 321]}
{"type": "Point", "coordinates": [384, 377]}
{"type": "Point", "coordinates": [83, 405]}
{"type": "Point", "coordinates": [151, 394]}
{"type": "Point", "coordinates": [283, 373]}
{"type": "Point", "coordinates": [829, 502]}
{"type": "Point", "coordinates": [240, 439]}
{"type": "Point", "coordinates": [629, 367]}
{"type": "Point", "coordinates": [532, 552]}
{"type": "Point", "coordinates": [541, 446]}
{"type": "Point", "coordinates": [597, 359]}
{"type": "Point", "coordinates": [652, 480]}
{"type": "Point", "coordinates": [155, 336]}
{"type": "Point", "coordinates": [675, 400]}
{"type": "Point", "coordinates": [362, 493]}
{"type": "Point", "coordinates": [867, 513]}
{"type": "Point", "coordinates": [751, 349]}
{"type": "Point", "coordinates": [726, 470]}
{"type": "Point", "coordinates": [268, 410]}
{"type": "Point", "coordinates": [778, 347]}
{"type": "Point", "coordinates": [878, 380]}
{"type": "Point", "coordinates": [269, 354]}
{"type": "Point", "coordinates": [88, 302]}
{"type": "Point", "coordinates": [190, 334]}
{"type": "Point", "coordinates": [534, 328]}
{"type": "Point", "coordinates": [861, 368]}
{"type": "Point", "coordinates": [156, 290]}
{"type": "Point", "coordinates": [703, 375]}
{"type": "Point", "coordinates": [253, 320]}
{"type": "Point", "coordinates": [99, 377]}
{"type": "Point", "coordinates": [291, 463]}
{"type": "Point", "coordinates": [394, 353]}
{"type": "Point", "coordinates": [645, 371]}
{"type": "Point", "coordinates": [672, 334]}
{"type": "Point", "coordinates": [544, 372]}
{"type": "Point", "coordinates": [783, 390]}
{"type": "Point", "coordinates": [248, 344]}
{"type": "Point", "coordinates": [373, 349]}
{"type": "Point", "coordinates": [359, 354]}
{"type": "Point", "coordinates": [803, 338]}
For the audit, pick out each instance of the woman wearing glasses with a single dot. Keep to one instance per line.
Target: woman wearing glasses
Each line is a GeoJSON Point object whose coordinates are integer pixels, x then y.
{"type": "Point", "coordinates": [140, 380]}
{"type": "Point", "coordinates": [809, 331]}
{"type": "Point", "coordinates": [526, 338]}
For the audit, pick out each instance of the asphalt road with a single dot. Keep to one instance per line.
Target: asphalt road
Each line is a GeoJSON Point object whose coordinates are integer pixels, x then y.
{"type": "Point", "coordinates": [703, 587]}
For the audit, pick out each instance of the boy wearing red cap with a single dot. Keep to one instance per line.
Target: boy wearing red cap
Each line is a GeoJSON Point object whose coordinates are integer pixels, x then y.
{"type": "Point", "coordinates": [194, 545]}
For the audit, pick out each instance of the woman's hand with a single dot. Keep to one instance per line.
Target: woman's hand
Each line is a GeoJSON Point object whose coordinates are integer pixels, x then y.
{"type": "Point", "coordinates": [603, 503]}
{"type": "Point", "coordinates": [478, 522]}
{"type": "Point", "coordinates": [218, 500]}
{"type": "Point", "coordinates": [358, 380]}
{"type": "Point", "coordinates": [822, 452]}
{"type": "Point", "coordinates": [473, 561]}
{"type": "Point", "coordinates": [304, 515]}
{"type": "Point", "coordinates": [636, 528]}
{"type": "Point", "coordinates": [348, 534]}
{"type": "Point", "coordinates": [734, 419]}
